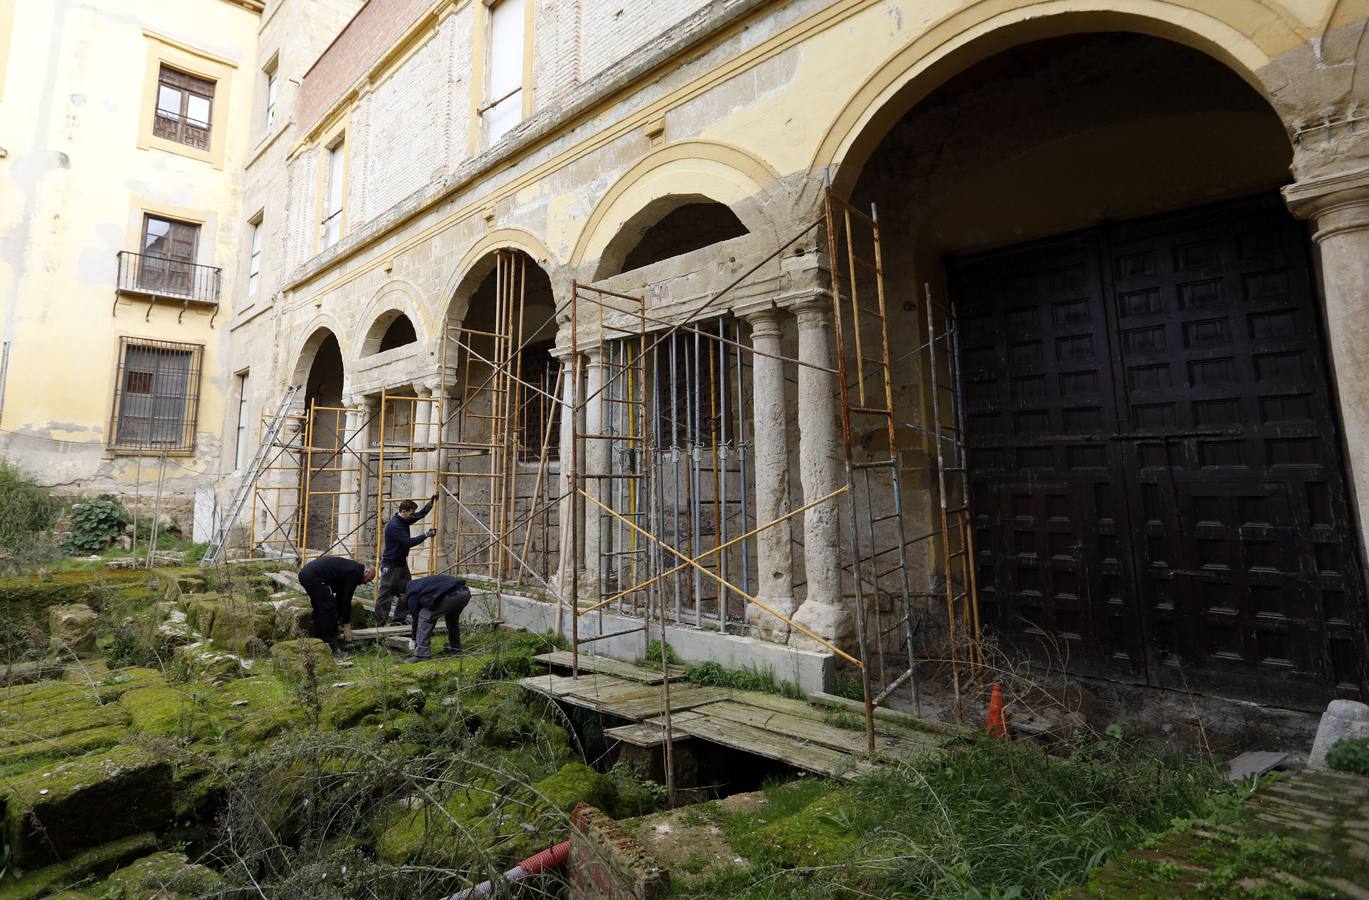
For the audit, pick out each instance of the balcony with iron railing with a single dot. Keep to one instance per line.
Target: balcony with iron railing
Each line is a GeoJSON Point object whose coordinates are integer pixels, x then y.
{"type": "Point", "coordinates": [164, 278]}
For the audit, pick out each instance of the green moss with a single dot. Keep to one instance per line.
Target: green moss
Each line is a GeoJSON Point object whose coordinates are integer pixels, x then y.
{"type": "Point", "coordinates": [288, 658]}
{"type": "Point", "coordinates": [91, 863]}
{"type": "Point", "coordinates": [575, 783]}
{"type": "Point", "coordinates": [169, 712]}
{"type": "Point", "coordinates": [120, 681]}
{"type": "Point", "coordinates": [16, 756]}
{"type": "Point", "coordinates": [73, 713]}
{"type": "Point", "coordinates": [85, 800]}
{"type": "Point", "coordinates": [243, 626]}
{"type": "Point", "coordinates": [348, 705]}
{"type": "Point", "coordinates": [200, 663]}
{"type": "Point", "coordinates": [164, 875]}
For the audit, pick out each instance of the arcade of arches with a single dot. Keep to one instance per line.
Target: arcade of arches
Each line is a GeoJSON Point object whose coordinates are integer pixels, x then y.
{"type": "Point", "coordinates": [1157, 482]}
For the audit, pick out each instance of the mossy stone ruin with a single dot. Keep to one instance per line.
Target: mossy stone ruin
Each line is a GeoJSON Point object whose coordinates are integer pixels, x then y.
{"type": "Point", "coordinates": [115, 779]}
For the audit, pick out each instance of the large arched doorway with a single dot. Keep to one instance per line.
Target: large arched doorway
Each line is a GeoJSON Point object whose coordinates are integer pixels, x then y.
{"type": "Point", "coordinates": [1156, 483]}
{"type": "Point", "coordinates": [501, 423]}
{"type": "Point", "coordinates": [320, 474]}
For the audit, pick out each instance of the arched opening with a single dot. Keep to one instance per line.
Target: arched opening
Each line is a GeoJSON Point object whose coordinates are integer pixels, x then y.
{"type": "Point", "coordinates": [503, 417]}
{"type": "Point", "coordinates": [399, 333]}
{"type": "Point", "coordinates": [668, 227]}
{"type": "Point", "coordinates": [323, 396]}
{"type": "Point", "coordinates": [1135, 313]}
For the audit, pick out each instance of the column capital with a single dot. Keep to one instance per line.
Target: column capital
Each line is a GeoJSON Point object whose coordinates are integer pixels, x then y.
{"type": "Point", "coordinates": [764, 320]}
{"type": "Point", "coordinates": [812, 310]}
{"type": "Point", "coordinates": [354, 402]}
{"type": "Point", "coordinates": [423, 388]}
{"type": "Point", "coordinates": [1335, 203]}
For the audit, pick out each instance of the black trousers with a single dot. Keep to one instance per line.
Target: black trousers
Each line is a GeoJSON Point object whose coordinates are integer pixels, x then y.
{"type": "Point", "coordinates": [327, 609]}
{"type": "Point", "coordinates": [394, 581]}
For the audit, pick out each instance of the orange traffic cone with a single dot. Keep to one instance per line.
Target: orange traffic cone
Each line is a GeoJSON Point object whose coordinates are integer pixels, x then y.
{"type": "Point", "coordinates": [997, 725]}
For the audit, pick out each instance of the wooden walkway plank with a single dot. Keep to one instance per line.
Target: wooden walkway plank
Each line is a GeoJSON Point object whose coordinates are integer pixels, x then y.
{"type": "Point", "coordinates": [590, 662]}
{"type": "Point", "coordinates": [757, 741]}
{"type": "Point", "coordinates": [811, 729]}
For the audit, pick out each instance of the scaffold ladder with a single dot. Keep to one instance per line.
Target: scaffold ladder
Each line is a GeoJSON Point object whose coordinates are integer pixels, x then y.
{"type": "Point", "coordinates": [214, 552]}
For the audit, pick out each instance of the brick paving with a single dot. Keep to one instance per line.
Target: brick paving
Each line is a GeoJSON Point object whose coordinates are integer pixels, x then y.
{"type": "Point", "coordinates": [1304, 836]}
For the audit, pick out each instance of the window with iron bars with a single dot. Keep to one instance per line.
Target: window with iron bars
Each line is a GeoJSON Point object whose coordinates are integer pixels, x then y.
{"type": "Point", "coordinates": [156, 396]}
{"type": "Point", "coordinates": [538, 418]}
{"type": "Point", "coordinates": [696, 387]}
{"type": "Point", "coordinates": [184, 106]}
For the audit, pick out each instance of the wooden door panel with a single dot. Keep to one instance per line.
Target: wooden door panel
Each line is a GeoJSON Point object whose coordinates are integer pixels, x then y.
{"type": "Point", "coordinates": [1154, 398]}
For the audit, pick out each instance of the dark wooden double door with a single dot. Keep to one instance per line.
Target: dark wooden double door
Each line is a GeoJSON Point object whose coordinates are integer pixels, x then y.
{"type": "Point", "coordinates": [1157, 488]}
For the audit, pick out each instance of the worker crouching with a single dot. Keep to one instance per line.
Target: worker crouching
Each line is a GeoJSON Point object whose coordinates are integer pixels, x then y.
{"type": "Point", "coordinates": [431, 597]}
{"type": "Point", "coordinates": [330, 582]}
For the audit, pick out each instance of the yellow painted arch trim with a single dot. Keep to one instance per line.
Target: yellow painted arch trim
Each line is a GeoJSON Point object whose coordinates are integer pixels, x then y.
{"type": "Point", "coordinates": [306, 346]}
{"type": "Point", "coordinates": [500, 238]}
{"type": "Point", "coordinates": [678, 168]}
{"type": "Point", "coordinates": [995, 25]}
{"type": "Point", "coordinates": [395, 294]}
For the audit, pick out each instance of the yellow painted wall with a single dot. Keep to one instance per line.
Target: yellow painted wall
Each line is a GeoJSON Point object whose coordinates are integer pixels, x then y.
{"type": "Point", "coordinates": [79, 172]}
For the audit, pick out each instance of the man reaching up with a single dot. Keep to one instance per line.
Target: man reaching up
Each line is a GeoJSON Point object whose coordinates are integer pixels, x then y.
{"type": "Point", "coordinates": [394, 561]}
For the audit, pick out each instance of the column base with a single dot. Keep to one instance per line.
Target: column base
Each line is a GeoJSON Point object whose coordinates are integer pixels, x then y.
{"type": "Point", "coordinates": [767, 627]}
{"type": "Point", "coordinates": [828, 619]}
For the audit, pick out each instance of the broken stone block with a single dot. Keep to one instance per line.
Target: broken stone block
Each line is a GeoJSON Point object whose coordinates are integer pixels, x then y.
{"type": "Point", "coordinates": [243, 626]}
{"type": "Point", "coordinates": [294, 618]}
{"type": "Point", "coordinates": [71, 628]}
{"type": "Point", "coordinates": [165, 876]}
{"type": "Point", "coordinates": [1343, 720]}
{"type": "Point", "coordinates": [202, 663]}
{"type": "Point", "coordinates": [167, 712]}
{"type": "Point", "coordinates": [51, 814]}
{"type": "Point", "coordinates": [289, 658]}
{"type": "Point", "coordinates": [94, 863]}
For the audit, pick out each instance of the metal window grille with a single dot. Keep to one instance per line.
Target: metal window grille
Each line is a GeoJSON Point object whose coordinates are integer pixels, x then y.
{"type": "Point", "coordinates": [691, 377]}
{"type": "Point", "coordinates": [156, 395]}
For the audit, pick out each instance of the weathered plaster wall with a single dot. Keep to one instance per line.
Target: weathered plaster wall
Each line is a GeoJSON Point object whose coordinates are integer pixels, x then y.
{"type": "Point", "coordinates": [73, 187]}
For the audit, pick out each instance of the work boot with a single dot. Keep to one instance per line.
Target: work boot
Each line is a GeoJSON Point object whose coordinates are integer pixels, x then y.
{"type": "Point", "coordinates": [415, 659]}
{"type": "Point", "coordinates": [339, 653]}
{"type": "Point", "coordinates": [452, 651]}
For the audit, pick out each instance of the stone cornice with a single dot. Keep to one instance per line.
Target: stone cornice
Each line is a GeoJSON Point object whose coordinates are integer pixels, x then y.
{"type": "Point", "coordinates": [1337, 203]}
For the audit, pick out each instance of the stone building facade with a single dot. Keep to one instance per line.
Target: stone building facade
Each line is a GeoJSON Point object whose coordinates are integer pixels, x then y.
{"type": "Point", "coordinates": [1150, 218]}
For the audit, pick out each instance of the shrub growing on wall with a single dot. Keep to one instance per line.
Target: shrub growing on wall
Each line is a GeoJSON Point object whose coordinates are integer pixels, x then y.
{"type": "Point", "coordinates": [27, 509]}
{"type": "Point", "coordinates": [95, 524]}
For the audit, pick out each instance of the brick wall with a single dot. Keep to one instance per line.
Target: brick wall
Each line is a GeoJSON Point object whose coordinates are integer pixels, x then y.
{"type": "Point", "coordinates": [365, 39]}
{"type": "Point", "coordinates": [612, 29]}
{"type": "Point", "coordinates": [607, 863]}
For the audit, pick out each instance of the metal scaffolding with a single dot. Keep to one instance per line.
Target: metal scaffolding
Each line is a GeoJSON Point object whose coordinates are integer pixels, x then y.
{"type": "Point", "coordinates": [649, 509]}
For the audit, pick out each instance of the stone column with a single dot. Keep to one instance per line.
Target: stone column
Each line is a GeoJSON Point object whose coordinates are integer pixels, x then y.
{"type": "Point", "coordinates": [596, 462]}
{"type": "Point", "coordinates": [350, 445]}
{"type": "Point", "coordinates": [820, 474]}
{"type": "Point", "coordinates": [1339, 207]}
{"type": "Point", "coordinates": [422, 484]}
{"type": "Point", "coordinates": [565, 568]}
{"type": "Point", "coordinates": [774, 552]}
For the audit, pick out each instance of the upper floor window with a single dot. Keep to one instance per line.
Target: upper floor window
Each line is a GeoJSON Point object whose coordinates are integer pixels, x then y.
{"type": "Point", "coordinates": [166, 264]}
{"type": "Point", "coordinates": [334, 192]}
{"type": "Point", "coordinates": [271, 97]}
{"type": "Point", "coordinates": [503, 107]}
{"type": "Point", "coordinates": [184, 106]}
{"type": "Point", "coordinates": [254, 259]}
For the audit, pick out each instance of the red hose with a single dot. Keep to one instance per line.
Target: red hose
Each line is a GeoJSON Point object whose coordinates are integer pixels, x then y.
{"type": "Point", "coordinates": [550, 858]}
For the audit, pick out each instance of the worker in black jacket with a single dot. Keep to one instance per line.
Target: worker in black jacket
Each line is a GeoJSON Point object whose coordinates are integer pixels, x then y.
{"type": "Point", "coordinates": [428, 598]}
{"type": "Point", "coordinates": [330, 582]}
{"type": "Point", "coordinates": [394, 561]}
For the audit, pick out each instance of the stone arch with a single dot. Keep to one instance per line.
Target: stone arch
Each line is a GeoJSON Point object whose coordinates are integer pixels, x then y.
{"type": "Point", "coordinates": [977, 32]}
{"type": "Point", "coordinates": [394, 299]}
{"type": "Point", "coordinates": [688, 171]}
{"type": "Point", "coordinates": [479, 261]}
{"type": "Point", "coordinates": [317, 332]}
